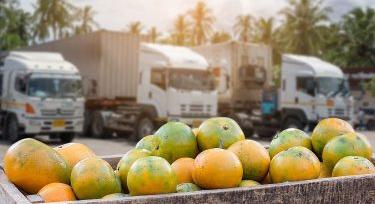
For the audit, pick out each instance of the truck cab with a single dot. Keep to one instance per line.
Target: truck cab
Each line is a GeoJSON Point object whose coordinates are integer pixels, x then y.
{"type": "Point", "coordinates": [311, 90]}
{"type": "Point", "coordinates": [41, 93]}
{"type": "Point", "coordinates": [176, 83]}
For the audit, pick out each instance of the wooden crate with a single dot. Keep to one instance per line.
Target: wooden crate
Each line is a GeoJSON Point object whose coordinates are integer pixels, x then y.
{"type": "Point", "coordinates": [350, 189]}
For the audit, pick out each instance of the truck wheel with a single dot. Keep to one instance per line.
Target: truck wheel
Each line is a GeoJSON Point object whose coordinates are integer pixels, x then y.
{"type": "Point", "coordinates": [11, 131]}
{"type": "Point", "coordinates": [66, 137]}
{"type": "Point", "coordinates": [292, 123]}
{"type": "Point", "coordinates": [97, 126]}
{"type": "Point", "coordinates": [145, 127]}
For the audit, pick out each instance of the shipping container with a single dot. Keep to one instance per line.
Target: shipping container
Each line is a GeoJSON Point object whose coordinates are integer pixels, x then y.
{"type": "Point", "coordinates": [107, 60]}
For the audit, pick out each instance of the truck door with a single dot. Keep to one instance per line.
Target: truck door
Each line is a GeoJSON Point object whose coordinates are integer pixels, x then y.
{"type": "Point", "coordinates": [157, 94]}
{"type": "Point", "coordinates": [304, 98]}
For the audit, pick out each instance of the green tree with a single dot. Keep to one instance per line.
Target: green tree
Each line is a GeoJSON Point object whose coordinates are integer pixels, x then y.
{"type": "Point", "coordinates": [203, 20]}
{"type": "Point", "coordinates": [220, 36]}
{"type": "Point", "coordinates": [180, 31]}
{"type": "Point", "coordinates": [358, 27]}
{"type": "Point", "coordinates": [242, 27]}
{"type": "Point", "coordinates": [371, 87]}
{"type": "Point", "coordinates": [86, 22]}
{"type": "Point", "coordinates": [56, 16]}
{"type": "Point", "coordinates": [301, 31]}
{"type": "Point", "coordinates": [135, 27]}
{"type": "Point", "coordinates": [154, 34]}
{"type": "Point", "coordinates": [14, 25]}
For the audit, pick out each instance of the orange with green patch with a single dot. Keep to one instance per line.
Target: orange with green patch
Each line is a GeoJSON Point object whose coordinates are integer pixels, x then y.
{"type": "Point", "coordinates": [353, 165]}
{"type": "Point", "coordinates": [220, 132]}
{"type": "Point", "coordinates": [149, 143]}
{"type": "Point", "coordinates": [31, 165]}
{"type": "Point", "coordinates": [151, 175]}
{"type": "Point", "coordinates": [94, 178]}
{"type": "Point", "coordinates": [176, 140]}
{"type": "Point", "coordinates": [326, 130]}
{"type": "Point", "coordinates": [289, 138]}
{"type": "Point", "coordinates": [217, 168]}
{"type": "Point", "coordinates": [254, 159]}
{"type": "Point", "coordinates": [248, 183]}
{"type": "Point", "coordinates": [57, 192]}
{"type": "Point", "coordinates": [350, 144]}
{"type": "Point", "coordinates": [187, 187]}
{"type": "Point", "coordinates": [126, 161]}
{"type": "Point", "coordinates": [294, 164]}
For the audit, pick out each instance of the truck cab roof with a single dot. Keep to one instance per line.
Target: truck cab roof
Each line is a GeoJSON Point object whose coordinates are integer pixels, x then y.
{"type": "Point", "coordinates": [319, 67]}
{"type": "Point", "coordinates": [176, 56]}
{"type": "Point", "coordinates": [46, 62]}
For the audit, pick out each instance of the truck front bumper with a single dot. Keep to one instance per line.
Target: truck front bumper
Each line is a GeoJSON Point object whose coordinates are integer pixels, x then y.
{"type": "Point", "coordinates": [43, 125]}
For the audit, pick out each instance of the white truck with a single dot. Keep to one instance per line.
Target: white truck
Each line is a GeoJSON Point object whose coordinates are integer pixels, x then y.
{"type": "Point", "coordinates": [132, 86]}
{"type": "Point", "coordinates": [41, 93]}
{"type": "Point", "coordinates": [242, 71]}
{"type": "Point", "coordinates": [311, 90]}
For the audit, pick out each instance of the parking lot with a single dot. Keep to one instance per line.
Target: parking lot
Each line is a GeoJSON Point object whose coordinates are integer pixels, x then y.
{"type": "Point", "coordinates": [122, 145]}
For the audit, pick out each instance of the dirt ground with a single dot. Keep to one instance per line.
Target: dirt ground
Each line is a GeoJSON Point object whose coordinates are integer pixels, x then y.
{"type": "Point", "coordinates": [122, 145]}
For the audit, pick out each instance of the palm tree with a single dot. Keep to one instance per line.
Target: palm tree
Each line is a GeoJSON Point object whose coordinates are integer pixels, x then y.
{"type": "Point", "coordinates": [180, 30]}
{"type": "Point", "coordinates": [303, 20]}
{"type": "Point", "coordinates": [14, 26]}
{"type": "Point", "coordinates": [154, 34]}
{"type": "Point", "coordinates": [220, 36]}
{"type": "Point", "coordinates": [135, 27]}
{"type": "Point", "coordinates": [87, 23]}
{"type": "Point", "coordinates": [359, 37]}
{"type": "Point", "coordinates": [265, 31]}
{"type": "Point", "coordinates": [54, 15]}
{"type": "Point", "coordinates": [242, 28]}
{"type": "Point", "coordinates": [202, 23]}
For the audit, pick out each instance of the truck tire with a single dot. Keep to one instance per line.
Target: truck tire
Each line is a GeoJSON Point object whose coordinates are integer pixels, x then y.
{"type": "Point", "coordinates": [66, 137]}
{"type": "Point", "coordinates": [265, 133]}
{"type": "Point", "coordinates": [97, 126]}
{"type": "Point", "coordinates": [12, 129]}
{"type": "Point", "coordinates": [145, 126]}
{"type": "Point", "coordinates": [292, 123]}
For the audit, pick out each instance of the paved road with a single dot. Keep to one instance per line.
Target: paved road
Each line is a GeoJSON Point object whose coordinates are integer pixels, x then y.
{"type": "Point", "coordinates": [122, 145]}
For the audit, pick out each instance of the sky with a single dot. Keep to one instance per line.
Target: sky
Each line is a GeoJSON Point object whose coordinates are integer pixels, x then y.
{"type": "Point", "coordinates": [117, 14]}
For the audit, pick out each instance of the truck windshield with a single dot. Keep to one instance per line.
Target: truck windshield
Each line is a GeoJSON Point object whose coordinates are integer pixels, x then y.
{"type": "Point", "coordinates": [191, 80]}
{"type": "Point", "coordinates": [55, 87]}
{"type": "Point", "coordinates": [329, 86]}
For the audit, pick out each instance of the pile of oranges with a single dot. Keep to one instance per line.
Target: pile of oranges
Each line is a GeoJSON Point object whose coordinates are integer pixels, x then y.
{"type": "Point", "coordinates": [180, 159]}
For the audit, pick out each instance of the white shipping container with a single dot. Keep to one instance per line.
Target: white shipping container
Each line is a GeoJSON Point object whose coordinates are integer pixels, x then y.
{"type": "Point", "coordinates": [107, 60]}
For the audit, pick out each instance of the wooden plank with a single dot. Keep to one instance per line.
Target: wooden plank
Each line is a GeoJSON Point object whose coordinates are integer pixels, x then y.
{"type": "Point", "coordinates": [350, 189]}
{"type": "Point", "coordinates": [9, 193]}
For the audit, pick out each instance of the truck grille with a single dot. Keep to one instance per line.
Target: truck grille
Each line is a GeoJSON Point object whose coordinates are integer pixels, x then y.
{"type": "Point", "coordinates": [339, 112]}
{"type": "Point", "coordinates": [54, 112]}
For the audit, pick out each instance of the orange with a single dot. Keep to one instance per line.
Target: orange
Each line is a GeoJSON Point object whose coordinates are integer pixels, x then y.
{"type": "Point", "coordinates": [326, 130]}
{"type": "Point", "coordinates": [289, 138]}
{"type": "Point", "coordinates": [94, 178]}
{"type": "Point", "coordinates": [183, 168]}
{"type": "Point", "coordinates": [195, 131]}
{"type": "Point", "coordinates": [254, 158]}
{"type": "Point", "coordinates": [325, 172]}
{"type": "Point", "coordinates": [151, 175]}
{"type": "Point", "coordinates": [126, 161]}
{"type": "Point", "coordinates": [150, 143]}
{"type": "Point", "coordinates": [220, 132]}
{"type": "Point", "coordinates": [217, 168]}
{"type": "Point", "coordinates": [74, 152]}
{"type": "Point", "coordinates": [31, 165]}
{"type": "Point", "coordinates": [176, 140]}
{"type": "Point", "coordinates": [353, 165]}
{"type": "Point", "coordinates": [350, 144]}
{"type": "Point", "coordinates": [294, 164]}
{"type": "Point", "coordinates": [57, 192]}
{"type": "Point", "coordinates": [248, 183]}
{"type": "Point", "coordinates": [187, 187]}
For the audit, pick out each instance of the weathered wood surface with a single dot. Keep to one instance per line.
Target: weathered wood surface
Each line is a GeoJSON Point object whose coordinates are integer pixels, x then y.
{"type": "Point", "coordinates": [353, 189]}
